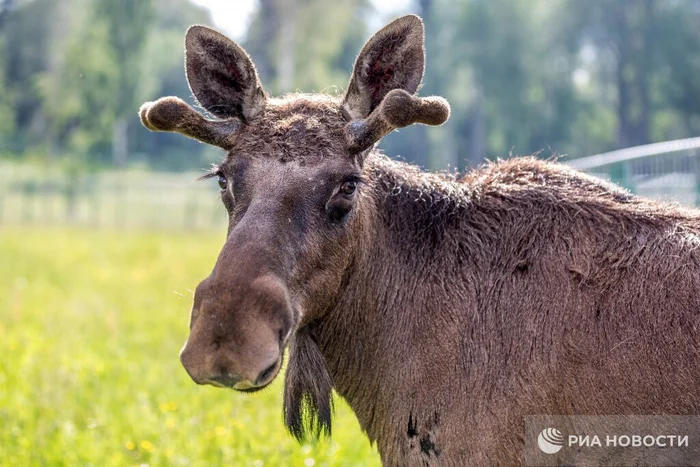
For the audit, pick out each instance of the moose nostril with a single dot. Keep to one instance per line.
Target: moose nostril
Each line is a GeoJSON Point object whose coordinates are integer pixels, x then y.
{"type": "Point", "coordinates": [266, 374]}
{"type": "Point", "coordinates": [225, 380]}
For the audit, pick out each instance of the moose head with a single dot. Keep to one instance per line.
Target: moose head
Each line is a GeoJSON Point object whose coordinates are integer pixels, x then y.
{"type": "Point", "coordinates": [295, 186]}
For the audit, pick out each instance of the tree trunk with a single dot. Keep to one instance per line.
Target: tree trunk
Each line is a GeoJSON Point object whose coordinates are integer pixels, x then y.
{"type": "Point", "coordinates": [263, 49]}
{"type": "Point", "coordinates": [623, 103]}
{"type": "Point", "coordinates": [426, 8]}
{"type": "Point", "coordinates": [623, 71]}
{"type": "Point", "coordinates": [634, 43]}
{"type": "Point", "coordinates": [645, 68]}
{"type": "Point", "coordinates": [477, 135]}
{"type": "Point", "coordinates": [287, 46]}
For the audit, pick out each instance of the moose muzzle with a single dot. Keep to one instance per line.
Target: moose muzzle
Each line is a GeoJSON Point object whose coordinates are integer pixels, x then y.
{"type": "Point", "coordinates": [238, 330]}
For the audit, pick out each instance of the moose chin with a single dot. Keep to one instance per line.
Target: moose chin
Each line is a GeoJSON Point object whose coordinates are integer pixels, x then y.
{"type": "Point", "coordinates": [443, 309]}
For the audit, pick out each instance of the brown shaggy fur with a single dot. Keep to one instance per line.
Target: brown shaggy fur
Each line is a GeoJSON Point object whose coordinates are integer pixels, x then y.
{"type": "Point", "coordinates": [527, 288]}
{"type": "Point", "coordinates": [442, 310]}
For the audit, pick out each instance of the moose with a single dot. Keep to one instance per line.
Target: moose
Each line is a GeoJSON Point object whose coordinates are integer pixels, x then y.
{"type": "Point", "coordinates": [443, 308]}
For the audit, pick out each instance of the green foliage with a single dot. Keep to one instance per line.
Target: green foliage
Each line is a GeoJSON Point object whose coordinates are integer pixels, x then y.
{"type": "Point", "coordinates": [7, 121]}
{"type": "Point", "coordinates": [79, 68]}
{"type": "Point", "coordinates": [531, 76]}
{"type": "Point", "coordinates": [78, 95]}
{"type": "Point", "coordinates": [562, 76]}
{"type": "Point", "coordinates": [320, 63]}
{"type": "Point", "coordinates": [306, 45]}
{"type": "Point", "coordinates": [127, 23]}
{"type": "Point", "coordinates": [91, 326]}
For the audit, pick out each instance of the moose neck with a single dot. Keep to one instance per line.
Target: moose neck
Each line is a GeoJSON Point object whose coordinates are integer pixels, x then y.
{"type": "Point", "coordinates": [380, 341]}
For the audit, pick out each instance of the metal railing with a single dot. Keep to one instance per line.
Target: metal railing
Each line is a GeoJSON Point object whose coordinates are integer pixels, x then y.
{"type": "Point", "coordinates": [158, 200]}
{"type": "Point", "coordinates": [667, 171]}
{"type": "Point", "coordinates": [125, 199]}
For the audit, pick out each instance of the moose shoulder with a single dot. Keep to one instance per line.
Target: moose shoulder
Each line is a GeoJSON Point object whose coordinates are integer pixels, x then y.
{"type": "Point", "coordinates": [442, 310]}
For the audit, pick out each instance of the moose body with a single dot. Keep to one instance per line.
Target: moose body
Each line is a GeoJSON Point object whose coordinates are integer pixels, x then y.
{"type": "Point", "coordinates": [525, 289]}
{"type": "Point", "coordinates": [443, 310]}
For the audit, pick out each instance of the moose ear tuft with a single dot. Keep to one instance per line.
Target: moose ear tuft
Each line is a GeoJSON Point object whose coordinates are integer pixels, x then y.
{"type": "Point", "coordinates": [394, 58]}
{"type": "Point", "coordinates": [221, 75]}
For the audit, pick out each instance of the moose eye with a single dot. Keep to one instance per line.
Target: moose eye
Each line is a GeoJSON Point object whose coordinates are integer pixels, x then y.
{"type": "Point", "coordinates": [348, 187]}
{"type": "Point", "coordinates": [223, 183]}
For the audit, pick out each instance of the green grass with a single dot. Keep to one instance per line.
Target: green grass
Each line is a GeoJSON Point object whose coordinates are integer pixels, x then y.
{"type": "Point", "coordinates": [91, 323]}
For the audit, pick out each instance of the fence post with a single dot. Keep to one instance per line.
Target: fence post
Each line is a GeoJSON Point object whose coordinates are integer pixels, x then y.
{"type": "Point", "coordinates": [120, 201]}
{"type": "Point", "coordinates": [190, 221]}
{"type": "Point", "coordinates": [27, 203]}
{"type": "Point", "coordinates": [696, 173]}
{"type": "Point", "coordinates": [619, 173]}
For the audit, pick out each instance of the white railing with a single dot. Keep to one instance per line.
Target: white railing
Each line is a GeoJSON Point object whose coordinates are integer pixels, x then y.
{"type": "Point", "coordinates": [152, 200]}
{"type": "Point", "coordinates": [668, 170]}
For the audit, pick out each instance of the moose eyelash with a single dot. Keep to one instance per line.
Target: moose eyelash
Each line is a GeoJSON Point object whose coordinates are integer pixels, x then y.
{"type": "Point", "coordinates": [359, 179]}
{"type": "Point", "coordinates": [214, 171]}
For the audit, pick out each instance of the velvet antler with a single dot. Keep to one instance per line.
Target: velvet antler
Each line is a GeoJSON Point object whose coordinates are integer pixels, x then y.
{"type": "Point", "coordinates": [397, 110]}
{"type": "Point", "coordinates": [380, 96]}
{"type": "Point", "coordinates": [223, 79]}
{"type": "Point", "coordinates": [173, 114]}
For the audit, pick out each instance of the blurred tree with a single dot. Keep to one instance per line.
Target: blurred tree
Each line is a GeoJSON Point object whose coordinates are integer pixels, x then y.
{"type": "Point", "coordinates": [261, 36]}
{"type": "Point", "coordinates": [307, 45]}
{"type": "Point", "coordinates": [622, 30]}
{"type": "Point", "coordinates": [413, 142]}
{"type": "Point", "coordinates": [162, 75]}
{"type": "Point", "coordinates": [676, 38]}
{"type": "Point", "coordinates": [127, 24]}
{"type": "Point", "coordinates": [26, 36]}
{"type": "Point", "coordinates": [78, 89]}
{"type": "Point", "coordinates": [74, 79]}
{"type": "Point", "coordinates": [5, 7]}
{"type": "Point", "coordinates": [560, 76]}
{"type": "Point", "coordinates": [523, 98]}
{"type": "Point", "coordinates": [508, 81]}
{"type": "Point", "coordinates": [7, 120]}
{"type": "Point", "coordinates": [646, 52]}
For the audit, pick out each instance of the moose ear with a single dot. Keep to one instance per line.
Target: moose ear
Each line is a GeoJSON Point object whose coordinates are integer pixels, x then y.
{"type": "Point", "coordinates": [381, 93]}
{"type": "Point", "coordinates": [394, 58]}
{"type": "Point", "coordinates": [221, 75]}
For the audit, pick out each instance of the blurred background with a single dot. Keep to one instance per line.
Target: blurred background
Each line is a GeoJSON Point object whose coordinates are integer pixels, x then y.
{"type": "Point", "coordinates": [104, 230]}
{"type": "Point", "coordinates": [566, 77]}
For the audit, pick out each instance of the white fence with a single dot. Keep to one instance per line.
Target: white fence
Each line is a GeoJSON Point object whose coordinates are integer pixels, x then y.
{"type": "Point", "coordinates": [668, 171]}
{"type": "Point", "coordinates": [111, 199]}
{"type": "Point", "coordinates": [45, 195]}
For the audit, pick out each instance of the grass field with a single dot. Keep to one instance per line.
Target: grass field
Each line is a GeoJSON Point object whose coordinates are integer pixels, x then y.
{"type": "Point", "coordinates": [91, 323]}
